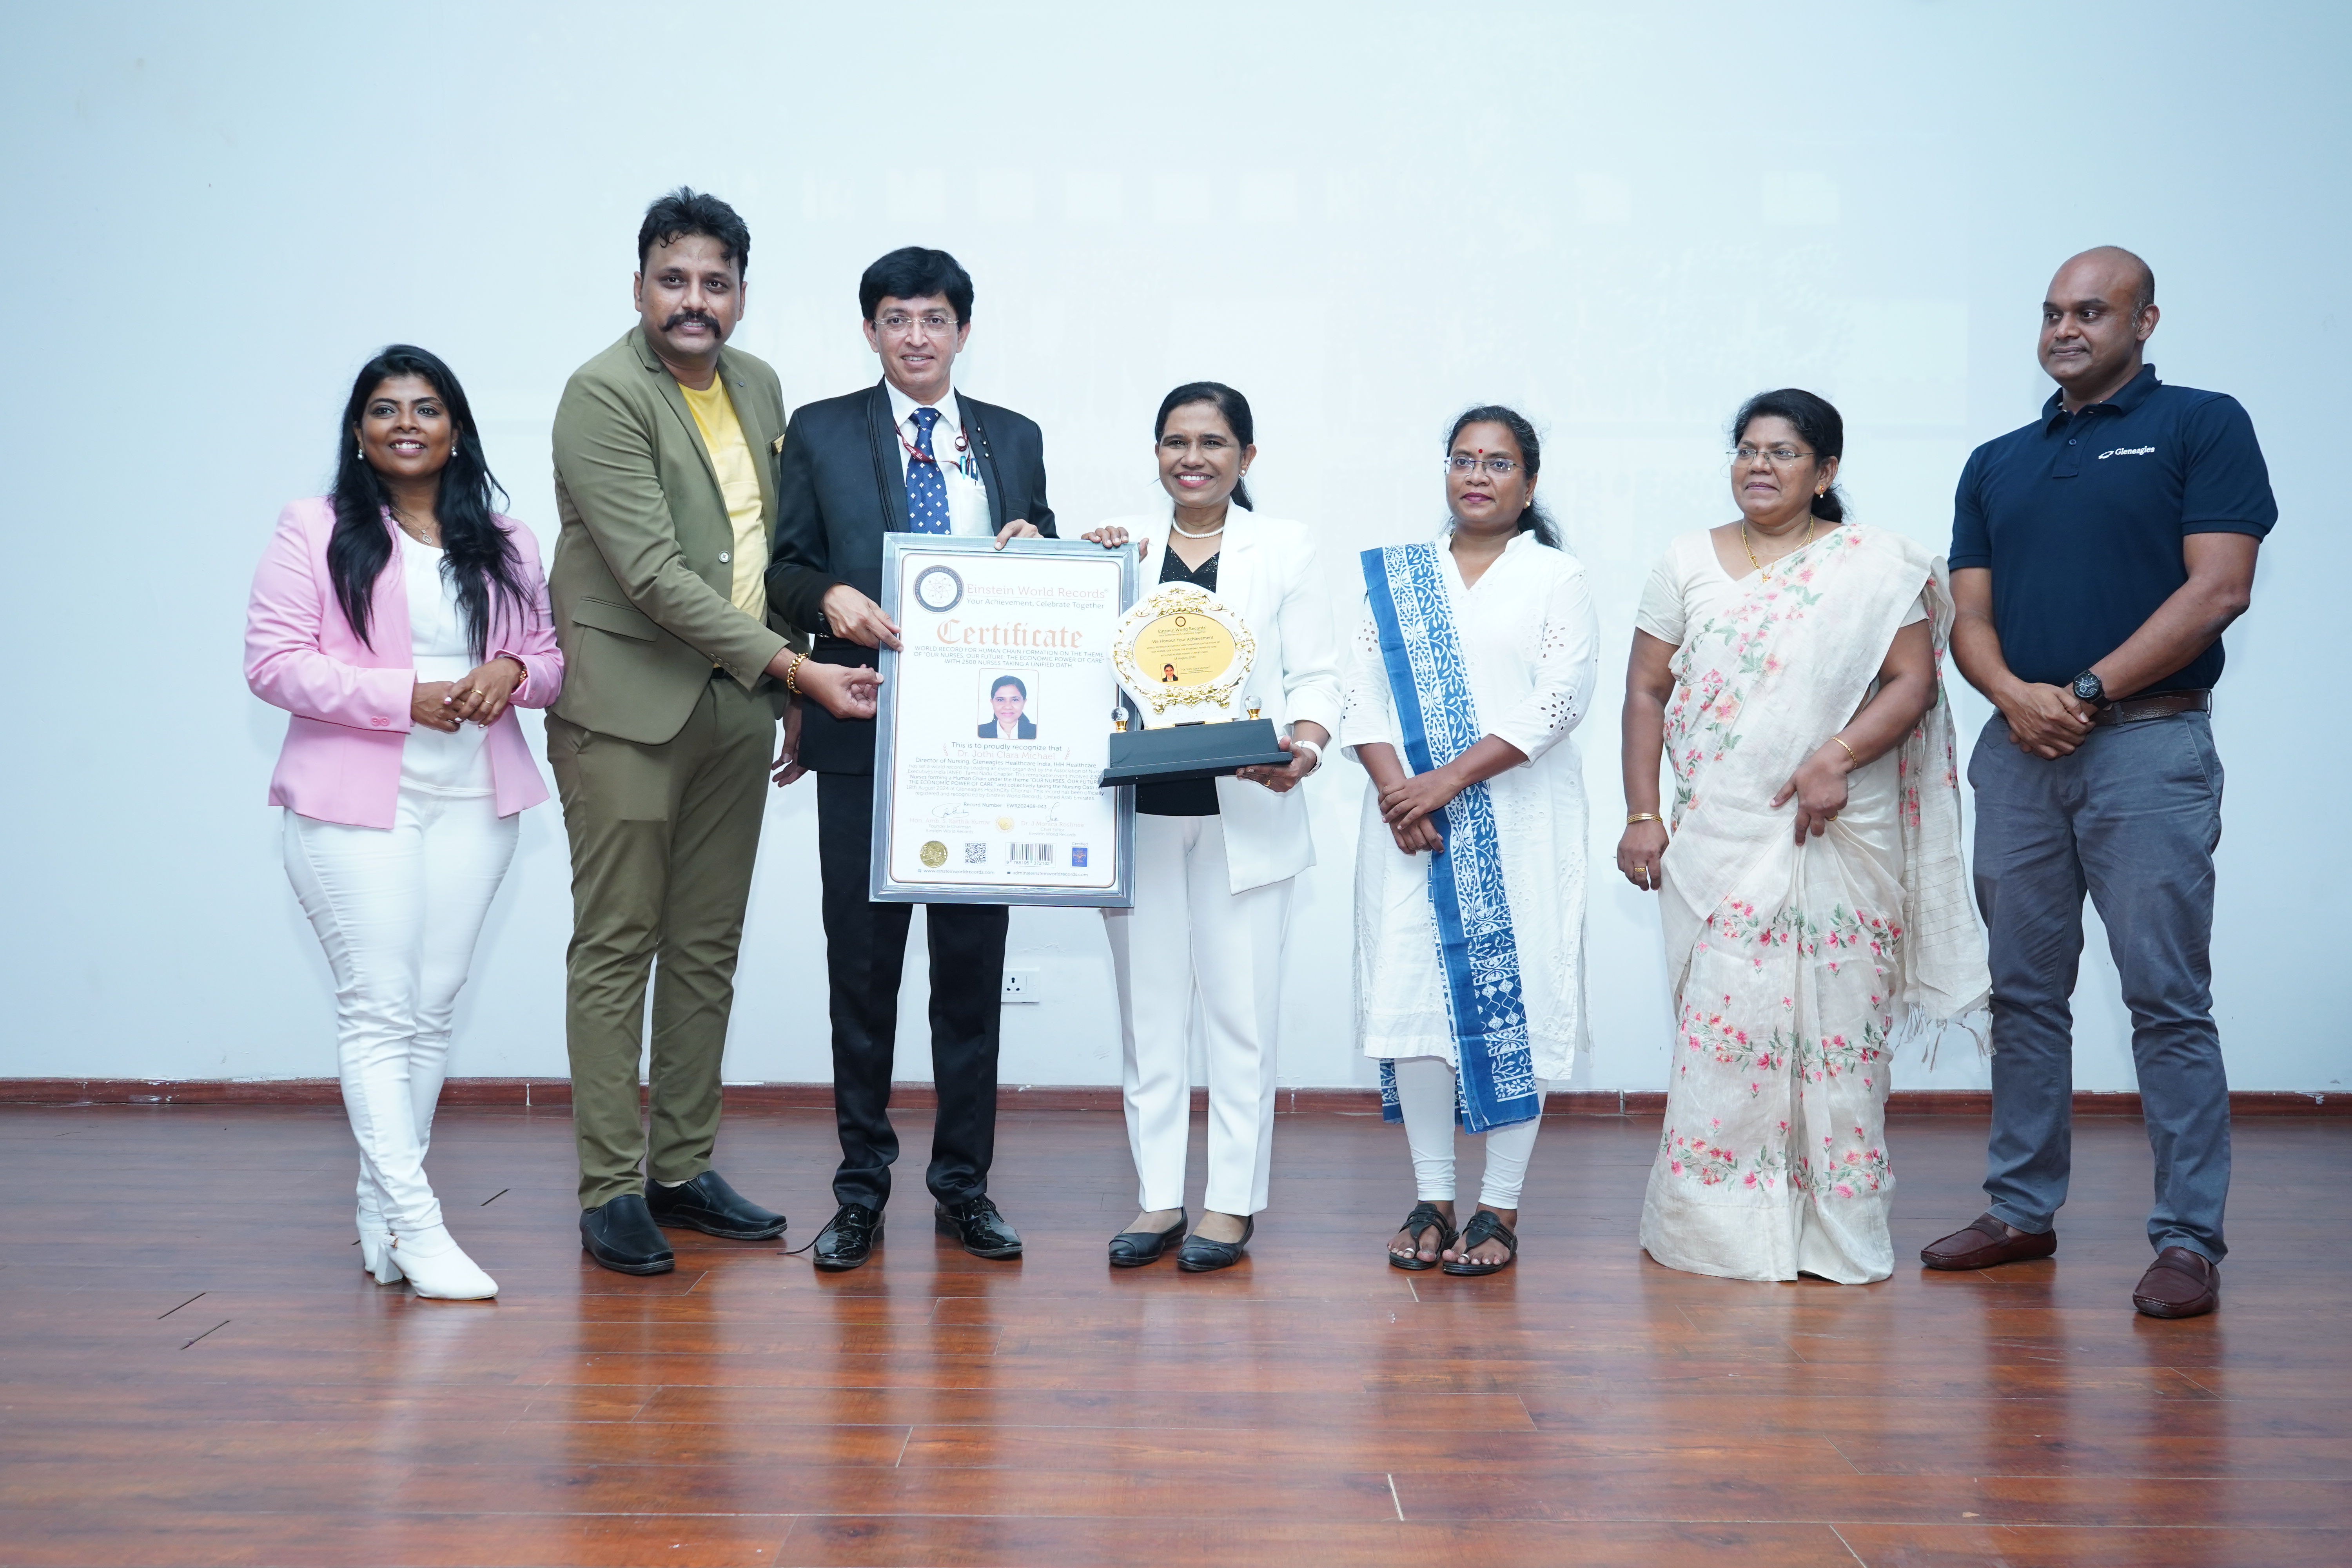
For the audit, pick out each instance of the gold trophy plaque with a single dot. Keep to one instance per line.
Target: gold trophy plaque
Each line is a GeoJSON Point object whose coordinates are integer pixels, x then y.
{"type": "Point", "coordinates": [1184, 657]}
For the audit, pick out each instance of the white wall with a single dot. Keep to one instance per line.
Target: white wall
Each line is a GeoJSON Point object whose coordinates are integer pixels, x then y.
{"type": "Point", "coordinates": [1620, 218]}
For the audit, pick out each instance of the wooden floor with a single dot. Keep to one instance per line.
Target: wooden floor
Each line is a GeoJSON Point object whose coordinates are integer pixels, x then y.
{"type": "Point", "coordinates": [194, 1370]}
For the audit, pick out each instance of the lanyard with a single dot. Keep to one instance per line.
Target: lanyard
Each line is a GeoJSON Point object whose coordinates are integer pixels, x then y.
{"type": "Point", "coordinates": [963, 464]}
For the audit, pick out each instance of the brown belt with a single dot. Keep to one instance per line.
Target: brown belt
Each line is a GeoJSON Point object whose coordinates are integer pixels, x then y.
{"type": "Point", "coordinates": [2163, 705]}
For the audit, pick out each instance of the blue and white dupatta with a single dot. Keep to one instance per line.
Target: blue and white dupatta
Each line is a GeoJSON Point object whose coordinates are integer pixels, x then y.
{"type": "Point", "coordinates": [1478, 949]}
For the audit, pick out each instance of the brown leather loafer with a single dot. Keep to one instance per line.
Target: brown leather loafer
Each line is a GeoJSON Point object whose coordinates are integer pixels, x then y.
{"type": "Point", "coordinates": [1986, 1243]}
{"type": "Point", "coordinates": [2179, 1284]}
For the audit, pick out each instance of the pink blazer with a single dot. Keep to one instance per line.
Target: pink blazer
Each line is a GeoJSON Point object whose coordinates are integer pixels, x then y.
{"type": "Point", "coordinates": [350, 701]}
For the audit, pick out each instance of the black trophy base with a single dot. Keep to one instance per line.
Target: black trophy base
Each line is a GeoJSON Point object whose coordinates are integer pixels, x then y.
{"type": "Point", "coordinates": [1192, 751]}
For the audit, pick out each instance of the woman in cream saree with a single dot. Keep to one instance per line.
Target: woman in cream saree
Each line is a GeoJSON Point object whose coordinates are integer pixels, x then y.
{"type": "Point", "coordinates": [1814, 897]}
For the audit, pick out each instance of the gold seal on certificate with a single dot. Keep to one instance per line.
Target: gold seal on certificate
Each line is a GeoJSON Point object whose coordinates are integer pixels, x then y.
{"type": "Point", "coordinates": [1184, 657]}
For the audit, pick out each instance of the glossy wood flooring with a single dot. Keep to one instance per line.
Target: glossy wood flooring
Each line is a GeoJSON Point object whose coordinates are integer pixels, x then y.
{"type": "Point", "coordinates": [193, 1370]}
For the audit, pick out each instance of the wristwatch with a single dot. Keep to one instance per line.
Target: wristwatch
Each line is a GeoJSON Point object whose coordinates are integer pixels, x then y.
{"type": "Point", "coordinates": [2088, 687]}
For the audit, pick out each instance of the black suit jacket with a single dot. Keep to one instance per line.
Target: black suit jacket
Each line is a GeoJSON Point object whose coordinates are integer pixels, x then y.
{"type": "Point", "coordinates": [1024, 731]}
{"type": "Point", "coordinates": [839, 488]}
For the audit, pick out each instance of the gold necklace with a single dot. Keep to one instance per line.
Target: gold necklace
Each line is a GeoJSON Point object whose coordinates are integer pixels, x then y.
{"type": "Point", "coordinates": [1759, 565]}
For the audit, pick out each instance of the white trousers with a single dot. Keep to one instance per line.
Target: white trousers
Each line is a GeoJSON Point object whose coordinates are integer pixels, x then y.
{"type": "Point", "coordinates": [1189, 946]}
{"type": "Point", "coordinates": [1426, 1095]}
{"type": "Point", "coordinates": [397, 910]}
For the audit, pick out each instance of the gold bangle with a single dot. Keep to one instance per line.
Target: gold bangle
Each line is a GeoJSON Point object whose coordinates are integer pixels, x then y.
{"type": "Point", "coordinates": [791, 674]}
{"type": "Point", "coordinates": [1634, 816]}
{"type": "Point", "coordinates": [1848, 751]}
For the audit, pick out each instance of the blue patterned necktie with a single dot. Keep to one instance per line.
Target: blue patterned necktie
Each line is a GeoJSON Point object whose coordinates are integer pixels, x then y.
{"type": "Point", "coordinates": [926, 491]}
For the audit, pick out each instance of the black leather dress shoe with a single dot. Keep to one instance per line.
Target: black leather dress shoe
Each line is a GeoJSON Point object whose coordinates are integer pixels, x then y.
{"type": "Point", "coordinates": [976, 1223]}
{"type": "Point", "coordinates": [709, 1204]}
{"type": "Point", "coordinates": [848, 1238]}
{"type": "Point", "coordinates": [1199, 1255]}
{"type": "Point", "coordinates": [1134, 1249]}
{"type": "Point", "coordinates": [622, 1236]}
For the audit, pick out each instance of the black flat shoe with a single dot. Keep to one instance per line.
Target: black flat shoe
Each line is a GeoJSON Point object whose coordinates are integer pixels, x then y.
{"type": "Point", "coordinates": [709, 1204]}
{"type": "Point", "coordinates": [1199, 1255]}
{"type": "Point", "coordinates": [975, 1221]}
{"type": "Point", "coordinates": [1485, 1226]}
{"type": "Point", "coordinates": [1134, 1249]}
{"type": "Point", "coordinates": [1423, 1218]}
{"type": "Point", "coordinates": [848, 1238]}
{"type": "Point", "coordinates": [622, 1236]}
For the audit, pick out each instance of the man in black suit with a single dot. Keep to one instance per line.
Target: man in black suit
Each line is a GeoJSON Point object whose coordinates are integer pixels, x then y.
{"type": "Point", "coordinates": [910, 454]}
{"type": "Point", "coordinates": [1009, 697]}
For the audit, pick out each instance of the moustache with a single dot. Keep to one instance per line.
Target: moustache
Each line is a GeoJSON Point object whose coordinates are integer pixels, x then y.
{"type": "Point", "coordinates": [685, 316]}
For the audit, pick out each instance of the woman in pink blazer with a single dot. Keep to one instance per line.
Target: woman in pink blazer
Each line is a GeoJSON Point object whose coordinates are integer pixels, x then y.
{"type": "Point", "coordinates": [400, 620]}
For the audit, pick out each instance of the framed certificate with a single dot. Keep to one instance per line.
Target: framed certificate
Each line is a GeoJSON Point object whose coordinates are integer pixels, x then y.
{"type": "Point", "coordinates": [995, 724]}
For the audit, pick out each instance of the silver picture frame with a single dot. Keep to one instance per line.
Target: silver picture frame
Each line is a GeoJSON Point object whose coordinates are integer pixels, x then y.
{"type": "Point", "coordinates": [884, 886]}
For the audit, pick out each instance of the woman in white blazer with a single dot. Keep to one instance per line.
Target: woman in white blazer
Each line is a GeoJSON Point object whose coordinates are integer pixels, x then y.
{"type": "Point", "coordinates": [1214, 858]}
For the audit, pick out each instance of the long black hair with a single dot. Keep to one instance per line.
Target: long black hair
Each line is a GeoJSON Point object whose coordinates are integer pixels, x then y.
{"type": "Point", "coordinates": [1818, 424]}
{"type": "Point", "coordinates": [478, 557]}
{"type": "Point", "coordinates": [1533, 517]}
{"type": "Point", "coordinates": [1230, 404]}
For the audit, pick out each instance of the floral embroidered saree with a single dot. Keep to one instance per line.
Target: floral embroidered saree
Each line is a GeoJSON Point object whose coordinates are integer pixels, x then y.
{"type": "Point", "coordinates": [1795, 968]}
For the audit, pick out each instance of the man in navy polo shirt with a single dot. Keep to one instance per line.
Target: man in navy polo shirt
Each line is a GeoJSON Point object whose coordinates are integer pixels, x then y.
{"type": "Point", "coordinates": [2097, 553]}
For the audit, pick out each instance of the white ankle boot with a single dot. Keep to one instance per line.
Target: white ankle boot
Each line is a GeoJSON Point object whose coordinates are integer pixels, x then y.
{"type": "Point", "coordinates": [375, 1249]}
{"type": "Point", "coordinates": [436, 1267]}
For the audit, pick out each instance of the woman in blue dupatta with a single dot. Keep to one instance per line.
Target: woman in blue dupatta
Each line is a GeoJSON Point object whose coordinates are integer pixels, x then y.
{"type": "Point", "coordinates": [1475, 659]}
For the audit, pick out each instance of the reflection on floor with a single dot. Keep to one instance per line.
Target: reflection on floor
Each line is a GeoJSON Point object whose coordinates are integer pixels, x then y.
{"type": "Point", "coordinates": [194, 1370]}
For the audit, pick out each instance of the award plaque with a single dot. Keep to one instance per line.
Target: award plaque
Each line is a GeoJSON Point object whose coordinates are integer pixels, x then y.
{"type": "Point", "coordinates": [990, 743]}
{"type": "Point", "coordinates": [1184, 658]}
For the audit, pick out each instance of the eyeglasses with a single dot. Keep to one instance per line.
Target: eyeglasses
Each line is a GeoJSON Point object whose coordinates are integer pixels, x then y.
{"type": "Point", "coordinates": [1778, 457]}
{"type": "Point", "coordinates": [1501, 467]}
{"type": "Point", "coordinates": [900, 323]}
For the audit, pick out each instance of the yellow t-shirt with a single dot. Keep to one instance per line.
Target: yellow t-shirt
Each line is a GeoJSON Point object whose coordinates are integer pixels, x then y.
{"type": "Point", "coordinates": [739, 482]}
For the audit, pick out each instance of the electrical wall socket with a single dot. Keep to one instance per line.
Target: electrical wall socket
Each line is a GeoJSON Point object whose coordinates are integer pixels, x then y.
{"type": "Point", "coordinates": [1023, 985]}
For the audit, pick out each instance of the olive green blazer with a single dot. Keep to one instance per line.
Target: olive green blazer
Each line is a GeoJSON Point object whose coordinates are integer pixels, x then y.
{"type": "Point", "coordinates": [643, 568]}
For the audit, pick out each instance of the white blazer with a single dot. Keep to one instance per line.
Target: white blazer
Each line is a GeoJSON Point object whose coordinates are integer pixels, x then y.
{"type": "Point", "coordinates": [1266, 571]}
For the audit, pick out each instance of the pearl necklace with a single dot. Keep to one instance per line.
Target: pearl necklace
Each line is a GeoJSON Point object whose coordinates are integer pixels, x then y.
{"type": "Point", "coordinates": [1203, 533]}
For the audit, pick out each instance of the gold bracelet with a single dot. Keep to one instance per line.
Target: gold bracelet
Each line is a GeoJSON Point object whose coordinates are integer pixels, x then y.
{"type": "Point", "coordinates": [1634, 816]}
{"type": "Point", "coordinates": [1848, 751]}
{"type": "Point", "coordinates": [791, 674]}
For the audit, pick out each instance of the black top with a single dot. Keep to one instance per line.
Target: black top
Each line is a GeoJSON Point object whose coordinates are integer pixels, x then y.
{"type": "Point", "coordinates": [839, 488]}
{"type": "Point", "coordinates": [1188, 797]}
{"type": "Point", "coordinates": [2080, 517]}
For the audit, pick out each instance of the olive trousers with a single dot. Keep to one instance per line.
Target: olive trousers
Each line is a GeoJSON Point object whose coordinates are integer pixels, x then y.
{"type": "Point", "coordinates": [663, 841]}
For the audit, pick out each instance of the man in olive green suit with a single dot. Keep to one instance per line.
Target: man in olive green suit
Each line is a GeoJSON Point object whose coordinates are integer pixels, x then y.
{"type": "Point", "coordinates": [676, 675]}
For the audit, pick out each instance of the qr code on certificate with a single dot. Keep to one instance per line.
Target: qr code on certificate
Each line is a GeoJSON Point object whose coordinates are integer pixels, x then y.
{"type": "Point", "coordinates": [976, 854]}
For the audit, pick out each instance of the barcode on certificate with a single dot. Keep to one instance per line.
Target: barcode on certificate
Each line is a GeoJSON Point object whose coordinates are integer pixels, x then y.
{"type": "Point", "coordinates": [1030, 854]}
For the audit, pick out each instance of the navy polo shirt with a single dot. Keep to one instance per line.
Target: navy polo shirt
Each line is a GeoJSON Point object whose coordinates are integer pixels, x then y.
{"type": "Point", "coordinates": [2080, 516]}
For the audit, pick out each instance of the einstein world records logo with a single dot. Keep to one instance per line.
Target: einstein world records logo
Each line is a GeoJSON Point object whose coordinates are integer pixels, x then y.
{"type": "Point", "coordinates": [938, 589]}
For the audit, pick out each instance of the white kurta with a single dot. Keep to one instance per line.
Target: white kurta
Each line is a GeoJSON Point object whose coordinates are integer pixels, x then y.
{"type": "Point", "coordinates": [1532, 647]}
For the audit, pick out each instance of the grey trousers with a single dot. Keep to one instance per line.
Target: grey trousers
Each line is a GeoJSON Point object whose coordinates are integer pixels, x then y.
{"type": "Point", "coordinates": [2131, 817]}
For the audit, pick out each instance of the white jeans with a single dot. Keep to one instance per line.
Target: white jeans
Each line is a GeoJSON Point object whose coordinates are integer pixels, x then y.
{"type": "Point", "coordinates": [1190, 944]}
{"type": "Point", "coordinates": [397, 910]}
{"type": "Point", "coordinates": [1426, 1095]}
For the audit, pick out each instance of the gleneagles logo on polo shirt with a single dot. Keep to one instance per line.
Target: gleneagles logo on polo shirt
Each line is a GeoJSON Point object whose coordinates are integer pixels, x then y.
{"type": "Point", "coordinates": [2126, 452]}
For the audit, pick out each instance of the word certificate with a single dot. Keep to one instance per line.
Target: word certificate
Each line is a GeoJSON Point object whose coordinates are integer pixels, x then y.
{"type": "Point", "coordinates": [995, 724]}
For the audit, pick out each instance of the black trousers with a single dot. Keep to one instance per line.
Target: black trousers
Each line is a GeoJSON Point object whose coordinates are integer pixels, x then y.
{"type": "Point", "coordinates": [866, 955]}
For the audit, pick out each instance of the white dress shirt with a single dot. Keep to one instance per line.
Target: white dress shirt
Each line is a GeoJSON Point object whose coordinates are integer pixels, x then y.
{"type": "Point", "coordinates": [967, 497]}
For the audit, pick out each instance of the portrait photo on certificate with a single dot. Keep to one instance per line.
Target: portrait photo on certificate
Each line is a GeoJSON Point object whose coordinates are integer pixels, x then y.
{"type": "Point", "coordinates": [996, 721]}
